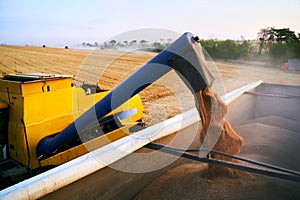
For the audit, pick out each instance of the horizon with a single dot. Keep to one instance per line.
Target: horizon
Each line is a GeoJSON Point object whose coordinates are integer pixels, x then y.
{"type": "Point", "coordinates": [56, 23]}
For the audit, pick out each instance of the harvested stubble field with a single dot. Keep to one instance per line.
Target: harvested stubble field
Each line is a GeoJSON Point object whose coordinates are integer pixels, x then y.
{"type": "Point", "coordinates": [163, 99]}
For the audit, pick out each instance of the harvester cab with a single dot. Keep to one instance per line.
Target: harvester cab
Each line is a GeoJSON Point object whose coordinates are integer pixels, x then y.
{"type": "Point", "coordinates": [50, 122]}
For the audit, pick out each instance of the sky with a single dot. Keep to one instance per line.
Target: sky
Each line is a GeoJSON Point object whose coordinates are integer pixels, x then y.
{"type": "Point", "coordinates": [68, 22]}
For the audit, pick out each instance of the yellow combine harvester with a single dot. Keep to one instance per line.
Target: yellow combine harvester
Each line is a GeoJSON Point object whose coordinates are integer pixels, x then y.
{"type": "Point", "coordinates": [36, 106]}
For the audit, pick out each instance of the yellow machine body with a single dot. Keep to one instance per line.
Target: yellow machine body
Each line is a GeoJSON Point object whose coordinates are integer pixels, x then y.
{"type": "Point", "coordinates": [41, 108]}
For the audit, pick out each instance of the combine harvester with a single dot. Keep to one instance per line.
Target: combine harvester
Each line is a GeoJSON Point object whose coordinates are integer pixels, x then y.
{"type": "Point", "coordinates": [60, 142]}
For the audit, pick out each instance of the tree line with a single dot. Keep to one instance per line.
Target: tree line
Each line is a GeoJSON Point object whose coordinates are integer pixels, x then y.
{"type": "Point", "coordinates": [227, 49]}
{"type": "Point", "coordinates": [279, 44]}
{"type": "Point", "coordinates": [143, 45]}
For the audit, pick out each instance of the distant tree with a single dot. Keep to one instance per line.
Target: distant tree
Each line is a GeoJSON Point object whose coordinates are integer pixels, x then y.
{"type": "Point", "coordinates": [113, 43]}
{"type": "Point", "coordinates": [285, 35]}
{"type": "Point", "coordinates": [281, 44]}
{"type": "Point", "coordinates": [125, 43]}
{"type": "Point", "coordinates": [133, 42]}
{"type": "Point", "coordinates": [266, 36]}
{"type": "Point", "coordinates": [158, 47]}
{"type": "Point", "coordinates": [143, 43]}
{"type": "Point", "coordinates": [83, 44]}
{"type": "Point", "coordinates": [270, 35]}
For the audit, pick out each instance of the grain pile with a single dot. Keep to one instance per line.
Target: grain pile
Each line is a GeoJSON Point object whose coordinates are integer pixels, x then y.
{"type": "Point", "coordinates": [212, 112]}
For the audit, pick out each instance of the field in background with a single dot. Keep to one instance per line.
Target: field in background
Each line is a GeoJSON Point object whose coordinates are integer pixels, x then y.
{"type": "Point", "coordinates": [164, 99]}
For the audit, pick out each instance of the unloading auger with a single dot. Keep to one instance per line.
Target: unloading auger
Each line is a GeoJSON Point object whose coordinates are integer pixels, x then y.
{"type": "Point", "coordinates": [184, 56]}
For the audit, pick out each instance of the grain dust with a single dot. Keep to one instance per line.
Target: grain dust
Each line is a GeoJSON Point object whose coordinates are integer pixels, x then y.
{"type": "Point", "coordinates": [212, 113]}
